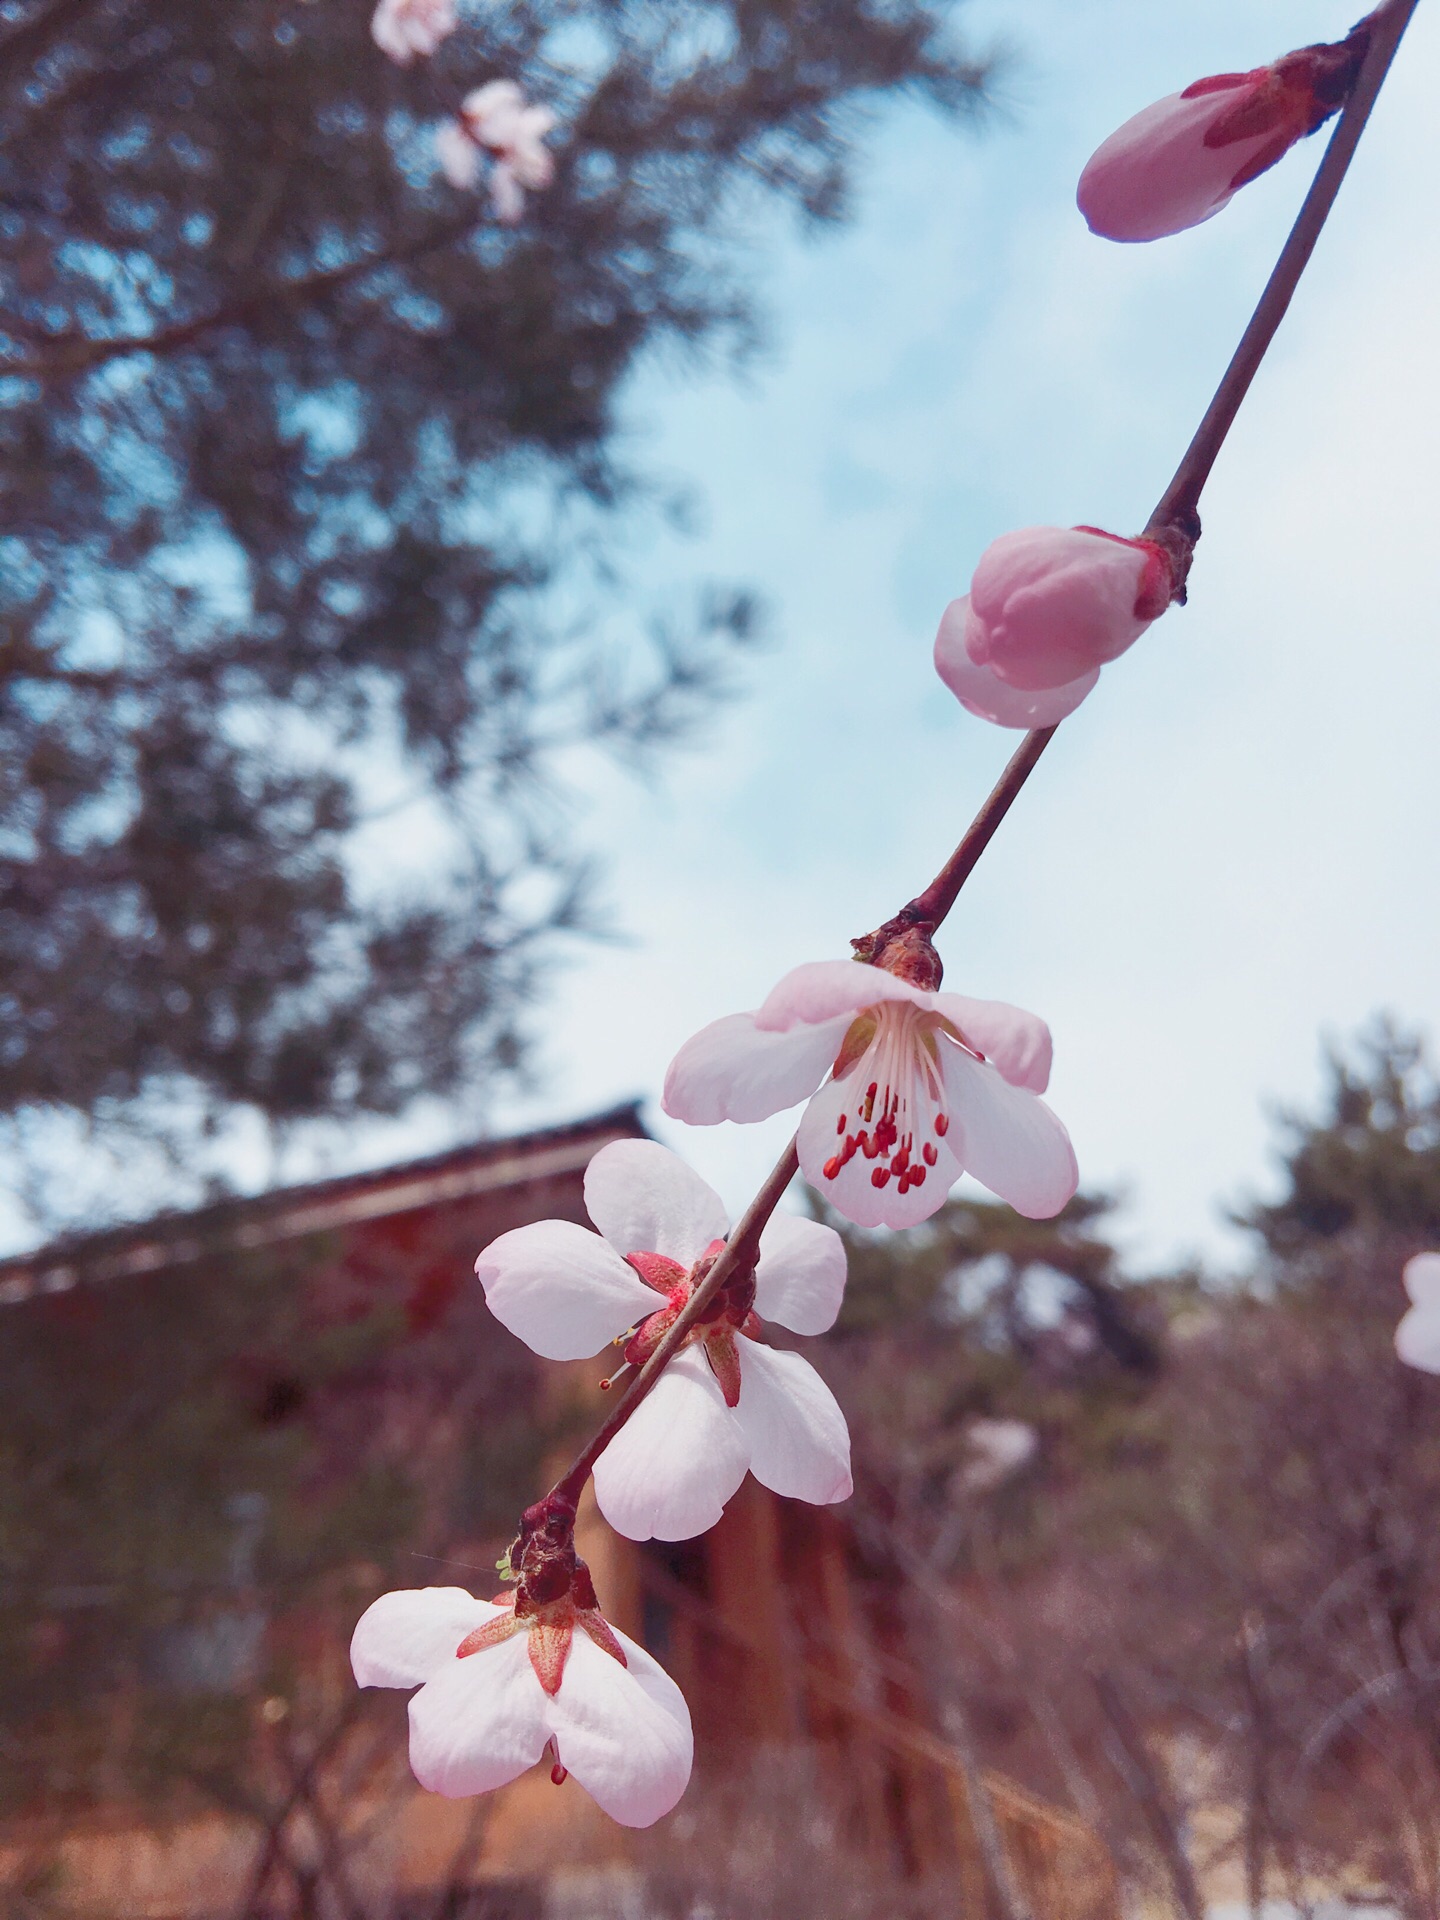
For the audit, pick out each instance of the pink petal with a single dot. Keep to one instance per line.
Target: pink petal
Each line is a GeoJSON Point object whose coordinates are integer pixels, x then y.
{"type": "Point", "coordinates": [800, 1275]}
{"type": "Point", "coordinates": [535, 122]}
{"type": "Point", "coordinates": [1050, 604]}
{"type": "Point", "coordinates": [852, 1190]}
{"type": "Point", "coordinates": [1155, 175]}
{"type": "Point", "coordinates": [980, 690]}
{"type": "Point", "coordinates": [1017, 1044]}
{"type": "Point", "coordinates": [644, 1199]}
{"type": "Point", "coordinates": [495, 112]}
{"type": "Point", "coordinates": [1417, 1338]}
{"type": "Point", "coordinates": [458, 155]}
{"type": "Point", "coordinates": [732, 1071]}
{"type": "Point", "coordinates": [1013, 1143]}
{"type": "Point", "coordinates": [506, 194]}
{"type": "Point", "coordinates": [1422, 1279]}
{"type": "Point", "coordinates": [799, 1443]}
{"type": "Point", "coordinates": [561, 1289]}
{"type": "Point", "coordinates": [403, 28]}
{"type": "Point", "coordinates": [479, 1722]}
{"type": "Point", "coordinates": [532, 165]}
{"type": "Point", "coordinates": [624, 1732]}
{"type": "Point", "coordinates": [403, 1638]}
{"type": "Point", "coordinates": [823, 990]}
{"type": "Point", "coordinates": [669, 1471]}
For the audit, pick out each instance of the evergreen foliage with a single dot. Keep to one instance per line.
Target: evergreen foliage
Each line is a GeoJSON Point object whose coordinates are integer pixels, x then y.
{"type": "Point", "coordinates": [311, 490]}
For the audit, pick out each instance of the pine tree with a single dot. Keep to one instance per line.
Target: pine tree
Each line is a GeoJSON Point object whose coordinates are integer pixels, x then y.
{"type": "Point", "coordinates": [309, 476]}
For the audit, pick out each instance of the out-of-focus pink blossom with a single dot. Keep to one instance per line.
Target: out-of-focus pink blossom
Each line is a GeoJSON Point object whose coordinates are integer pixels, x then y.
{"type": "Point", "coordinates": [922, 1087]}
{"type": "Point", "coordinates": [981, 690]}
{"type": "Point", "coordinates": [496, 1690]}
{"type": "Point", "coordinates": [458, 155]}
{"type": "Point", "coordinates": [1178, 162]}
{"type": "Point", "coordinates": [1050, 605]}
{"type": "Point", "coordinates": [727, 1402]}
{"type": "Point", "coordinates": [997, 1449]}
{"type": "Point", "coordinates": [1417, 1338]}
{"type": "Point", "coordinates": [404, 29]}
{"type": "Point", "coordinates": [495, 119]}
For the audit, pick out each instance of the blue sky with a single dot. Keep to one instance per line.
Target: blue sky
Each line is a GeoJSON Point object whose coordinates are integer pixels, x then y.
{"type": "Point", "coordinates": [1231, 850]}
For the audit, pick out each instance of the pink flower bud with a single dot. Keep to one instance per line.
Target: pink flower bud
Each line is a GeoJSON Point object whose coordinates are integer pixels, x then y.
{"type": "Point", "coordinates": [1179, 161]}
{"type": "Point", "coordinates": [1049, 605]}
{"type": "Point", "coordinates": [982, 693]}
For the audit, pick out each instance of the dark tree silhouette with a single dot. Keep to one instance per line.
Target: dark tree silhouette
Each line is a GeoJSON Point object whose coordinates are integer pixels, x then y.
{"type": "Point", "coordinates": [308, 476]}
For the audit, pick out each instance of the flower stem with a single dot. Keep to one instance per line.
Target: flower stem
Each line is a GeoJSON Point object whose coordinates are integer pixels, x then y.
{"type": "Point", "coordinates": [1175, 515]}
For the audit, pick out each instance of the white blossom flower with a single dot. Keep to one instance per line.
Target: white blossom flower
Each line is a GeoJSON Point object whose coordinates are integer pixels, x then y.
{"type": "Point", "coordinates": [404, 28]}
{"type": "Point", "coordinates": [495, 119]}
{"type": "Point", "coordinates": [494, 1695]}
{"type": "Point", "coordinates": [1417, 1338]}
{"type": "Point", "coordinates": [923, 1086]}
{"type": "Point", "coordinates": [726, 1402]}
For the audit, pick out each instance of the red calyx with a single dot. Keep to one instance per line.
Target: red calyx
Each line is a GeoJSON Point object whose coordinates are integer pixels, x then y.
{"type": "Point", "coordinates": [1286, 100]}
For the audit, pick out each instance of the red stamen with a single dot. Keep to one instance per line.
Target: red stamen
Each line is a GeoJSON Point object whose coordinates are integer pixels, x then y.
{"type": "Point", "coordinates": [942, 1124]}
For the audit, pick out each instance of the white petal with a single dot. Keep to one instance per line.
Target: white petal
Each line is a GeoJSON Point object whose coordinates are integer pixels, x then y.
{"type": "Point", "coordinates": [624, 1732]}
{"type": "Point", "coordinates": [403, 1638]}
{"type": "Point", "coordinates": [532, 165]}
{"type": "Point", "coordinates": [800, 1275]}
{"type": "Point", "coordinates": [535, 123]}
{"type": "Point", "coordinates": [479, 1722]}
{"type": "Point", "coordinates": [852, 1189]}
{"type": "Point", "coordinates": [821, 990]}
{"type": "Point", "coordinates": [1422, 1279]}
{"type": "Point", "coordinates": [458, 155]}
{"type": "Point", "coordinates": [644, 1199]}
{"type": "Point", "coordinates": [1017, 1044]}
{"type": "Point", "coordinates": [507, 196]}
{"type": "Point", "coordinates": [562, 1289]}
{"type": "Point", "coordinates": [669, 1471]}
{"type": "Point", "coordinates": [1013, 1143]}
{"type": "Point", "coordinates": [799, 1443]}
{"type": "Point", "coordinates": [730, 1070]}
{"type": "Point", "coordinates": [495, 110]}
{"type": "Point", "coordinates": [1417, 1338]}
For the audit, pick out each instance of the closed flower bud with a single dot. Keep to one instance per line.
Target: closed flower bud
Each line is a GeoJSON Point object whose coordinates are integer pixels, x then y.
{"type": "Point", "coordinates": [1049, 605]}
{"type": "Point", "coordinates": [1179, 161]}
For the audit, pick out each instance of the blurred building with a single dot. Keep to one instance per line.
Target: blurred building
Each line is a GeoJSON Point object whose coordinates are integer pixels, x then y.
{"type": "Point", "coordinates": [192, 1742]}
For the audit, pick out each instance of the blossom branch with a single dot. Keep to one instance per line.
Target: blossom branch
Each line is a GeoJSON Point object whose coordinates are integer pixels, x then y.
{"type": "Point", "coordinates": [741, 1250]}
{"type": "Point", "coordinates": [1175, 523]}
{"type": "Point", "coordinates": [1178, 504]}
{"type": "Point", "coordinates": [903, 942]}
{"type": "Point", "coordinates": [926, 911]}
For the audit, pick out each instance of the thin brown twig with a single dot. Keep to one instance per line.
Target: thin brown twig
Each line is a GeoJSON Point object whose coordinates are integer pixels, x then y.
{"type": "Point", "coordinates": [1176, 511]}
{"type": "Point", "coordinates": [72, 356]}
{"type": "Point", "coordinates": [1181, 498]}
